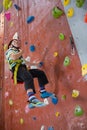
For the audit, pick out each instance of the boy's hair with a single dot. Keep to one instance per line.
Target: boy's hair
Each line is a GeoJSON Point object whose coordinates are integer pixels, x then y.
{"type": "Point", "coordinates": [11, 42]}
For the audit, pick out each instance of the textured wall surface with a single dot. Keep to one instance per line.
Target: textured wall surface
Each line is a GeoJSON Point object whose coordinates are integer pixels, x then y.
{"type": "Point", "coordinates": [43, 33]}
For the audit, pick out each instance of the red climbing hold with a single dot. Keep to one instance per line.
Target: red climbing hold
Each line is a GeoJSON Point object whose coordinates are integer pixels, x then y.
{"type": "Point", "coordinates": [85, 18]}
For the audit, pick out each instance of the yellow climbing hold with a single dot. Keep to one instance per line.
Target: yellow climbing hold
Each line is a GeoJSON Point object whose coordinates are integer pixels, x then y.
{"type": "Point", "coordinates": [7, 4]}
{"type": "Point", "coordinates": [5, 47]}
{"type": "Point", "coordinates": [66, 2]}
{"type": "Point", "coordinates": [10, 102]}
{"type": "Point", "coordinates": [21, 121]}
{"type": "Point", "coordinates": [11, 24]}
{"type": "Point", "coordinates": [10, 4]}
{"type": "Point", "coordinates": [55, 54]}
{"type": "Point", "coordinates": [57, 114]}
{"type": "Point", "coordinates": [70, 12]}
{"type": "Point", "coordinates": [75, 93]}
{"type": "Point", "coordinates": [84, 69]}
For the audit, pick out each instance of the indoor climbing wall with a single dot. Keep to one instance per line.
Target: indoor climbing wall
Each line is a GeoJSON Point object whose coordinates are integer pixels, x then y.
{"type": "Point", "coordinates": [45, 35]}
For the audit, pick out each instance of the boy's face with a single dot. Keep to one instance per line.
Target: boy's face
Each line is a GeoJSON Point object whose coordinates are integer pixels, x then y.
{"type": "Point", "coordinates": [16, 43]}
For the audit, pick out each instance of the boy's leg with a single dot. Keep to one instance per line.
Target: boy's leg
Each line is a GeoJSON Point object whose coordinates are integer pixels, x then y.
{"type": "Point", "coordinates": [24, 75]}
{"type": "Point", "coordinates": [33, 101]}
{"type": "Point", "coordinates": [42, 79]}
{"type": "Point", "coordinates": [29, 87]}
{"type": "Point", "coordinates": [44, 93]}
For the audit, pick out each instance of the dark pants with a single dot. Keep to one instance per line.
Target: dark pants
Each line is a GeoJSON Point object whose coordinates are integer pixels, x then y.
{"type": "Point", "coordinates": [27, 76]}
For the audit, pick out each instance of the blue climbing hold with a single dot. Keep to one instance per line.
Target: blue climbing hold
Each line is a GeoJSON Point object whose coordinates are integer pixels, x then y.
{"type": "Point", "coordinates": [30, 19]}
{"type": "Point", "coordinates": [41, 64]}
{"type": "Point", "coordinates": [34, 118]}
{"type": "Point", "coordinates": [17, 7]}
{"type": "Point", "coordinates": [51, 128]}
{"type": "Point", "coordinates": [54, 100]}
{"type": "Point", "coordinates": [26, 42]}
{"type": "Point", "coordinates": [32, 48]}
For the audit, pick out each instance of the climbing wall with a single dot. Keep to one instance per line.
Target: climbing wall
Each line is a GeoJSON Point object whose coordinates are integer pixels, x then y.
{"type": "Point", "coordinates": [45, 37]}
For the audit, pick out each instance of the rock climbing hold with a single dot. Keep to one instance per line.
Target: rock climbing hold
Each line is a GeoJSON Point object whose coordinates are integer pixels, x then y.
{"type": "Point", "coordinates": [11, 24]}
{"type": "Point", "coordinates": [41, 64]}
{"type": "Point", "coordinates": [26, 109]}
{"type": "Point", "coordinates": [57, 12]}
{"type": "Point", "coordinates": [70, 12]}
{"type": "Point", "coordinates": [57, 114]}
{"type": "Point", "coordinates": [78, 111]}
{"type": "Point", "coordinates": [42, 127]}
{"type": "Point", "coordinates": [6, 94]}
{"type": "Point", "coordinates": [21, 121]}
{"type": "Point", "coordinates": [84, 69]}
{"type": "Point", "coordinates": [85, 18]}
{"type": "Point", "coordinates": [61, 36]}
{"type": "Point", "coordinates": [28, 58]}
{"type": "Point", "coordinates": [17, 7]}
{"type": "Point", "coordinates": [32, 48]}
{"type": "Point", "coordinates": [26, 42]}
{"type": "Point", "coordinates": [54, 99]}
{"type": "Point", "coordinates": [66, 2]}
{"type": "Point", "coordinates": [8, 16]}
{"type": "Point", "coordinates": [50, 128]}
{"type": "Point", "coordinates": [46, 101]}
{"type": "Point", "coordinates": [80, 3]}
{"type": "Point", "coordinates": [10, 4]}
{"type": "Point", "coordinates": [66, 61]}
{"type": "Point", "coordinates": [10, 102]}
{"type": "Point", "coordinates": [63, 97]}
{"type": "Point", "coordinates": [55, 54]}
{"type": "Point", "coordinates": [34, 118]}
{"type": "Point", "coordinates": [30, 19]}
{"type": "Point", "coordinates": [5, 47]}
{"type": "Point", "coordinates": [75, 93]}
{"type": "Point", "coordinates": [7, 4]}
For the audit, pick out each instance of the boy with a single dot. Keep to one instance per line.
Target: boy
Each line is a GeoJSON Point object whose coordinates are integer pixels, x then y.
{"type": "Point", "coordinates": [20, 73]}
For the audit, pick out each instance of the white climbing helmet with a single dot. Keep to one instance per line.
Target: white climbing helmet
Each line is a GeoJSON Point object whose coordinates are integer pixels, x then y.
{"type": "Point", "coordinates": [16, 36]}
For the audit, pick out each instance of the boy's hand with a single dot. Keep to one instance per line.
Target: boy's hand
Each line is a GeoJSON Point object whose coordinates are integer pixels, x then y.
{"type": "Point", "coordinates": [21, 51]}
{"type": "Point", "coordinates": [36, 62]}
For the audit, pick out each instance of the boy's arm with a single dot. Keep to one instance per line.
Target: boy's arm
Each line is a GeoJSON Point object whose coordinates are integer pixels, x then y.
{"type": "Point", "coordinates": [31, 63]}
{"type": "Point", "coordinates": [16, 56]}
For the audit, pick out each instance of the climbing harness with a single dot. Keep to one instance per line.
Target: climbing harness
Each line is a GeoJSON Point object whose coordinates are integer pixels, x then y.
{"type": "Point", "coordinates": [18, 63]}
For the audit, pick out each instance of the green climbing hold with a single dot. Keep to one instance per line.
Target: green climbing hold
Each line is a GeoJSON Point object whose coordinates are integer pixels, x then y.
{"type": "Point", "coordinates": [63, 97]}
{"type": "Point", "coordinates": [66, 61]}
{"type": "Point", "coordinates": [61, 36]}
{"type": "Point", "coordinates": [79, 3]}
{"type": "Point", "coordinates": [56, 12]}
{"type": "Point", "coordinates": [78, 111]}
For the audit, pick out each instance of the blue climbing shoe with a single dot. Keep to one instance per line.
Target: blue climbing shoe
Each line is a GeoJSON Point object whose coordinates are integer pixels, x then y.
{"type": "Point", "coordinates": [36, 103]}
{"type": "Point", "coordinates": [46, 94]}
